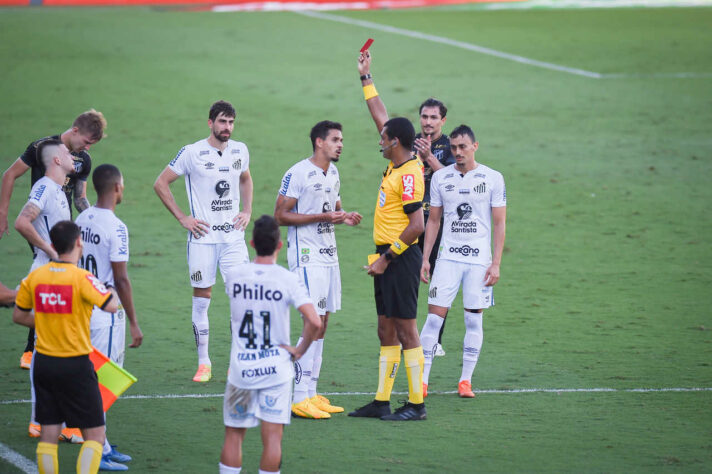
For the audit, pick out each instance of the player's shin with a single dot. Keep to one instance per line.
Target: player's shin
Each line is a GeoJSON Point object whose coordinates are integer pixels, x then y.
{"type": "Point", "coordinates": [89, 457]}
{"type": "Point", "coordinates": [472, 344]}
{"type": "Point", "coordinates": [414, 360]}
{"type": "Point", "coordinates": [387, 370]}
{"type": "Point", "coordinates": [201, 328]}
{"type": "Point", "coordinates": [316, 367]}
{"type": "Point", "coordinates": [428, 339]}
{"type": "Point", "coordinates": [47, 461]}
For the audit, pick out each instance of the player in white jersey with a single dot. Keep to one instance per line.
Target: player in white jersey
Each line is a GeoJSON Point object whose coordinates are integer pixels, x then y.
{"type": "Point", "coordinates": [259, 385]}
{"type": "Point", "coordinates": [46, 206]}
{"type": "Point", "coordinates": [106, 254]}
{"type": "Point", "coordinates": [473, 200]}
{"type": "Point", "coordinates": [217, 181]}
{"type": "Point", "coordinates": [310, 204]}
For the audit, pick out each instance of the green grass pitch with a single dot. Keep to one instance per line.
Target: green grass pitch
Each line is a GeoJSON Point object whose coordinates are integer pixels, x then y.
{"type": "Point", "coordinates": [607, 271]}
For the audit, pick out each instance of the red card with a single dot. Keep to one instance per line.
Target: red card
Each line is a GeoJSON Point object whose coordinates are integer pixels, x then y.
{"type": "Point", "coordinates": [367, 45]}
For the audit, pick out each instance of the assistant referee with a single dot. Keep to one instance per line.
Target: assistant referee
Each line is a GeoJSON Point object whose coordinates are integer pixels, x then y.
{"type": "Point", "coordinates": [62, 297]}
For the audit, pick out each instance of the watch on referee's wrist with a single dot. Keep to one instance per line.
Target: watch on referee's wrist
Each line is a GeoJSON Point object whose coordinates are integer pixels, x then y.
{"type": "Point", "coordinates": [365, 76]}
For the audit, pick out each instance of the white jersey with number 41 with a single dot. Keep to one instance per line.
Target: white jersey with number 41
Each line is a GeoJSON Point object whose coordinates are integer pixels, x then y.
{"type": "Point", "coordinates": [260, 297]}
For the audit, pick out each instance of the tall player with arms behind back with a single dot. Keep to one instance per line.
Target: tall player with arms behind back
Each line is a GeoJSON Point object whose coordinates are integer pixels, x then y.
{"type": "Point", "coordinates": [106, 254]}
{"type": "Point", "coordinates": [259, 386]}
{"type": "Point", "coordinates": [217, 181]}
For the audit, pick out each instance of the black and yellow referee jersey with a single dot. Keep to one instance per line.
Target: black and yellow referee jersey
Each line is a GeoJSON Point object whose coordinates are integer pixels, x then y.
{"type": "Point", "coordinates": [401, 193]}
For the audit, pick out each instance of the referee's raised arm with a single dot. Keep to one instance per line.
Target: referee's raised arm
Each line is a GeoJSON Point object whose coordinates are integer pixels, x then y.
{"type": "Point", "coordinates": [373, 100]}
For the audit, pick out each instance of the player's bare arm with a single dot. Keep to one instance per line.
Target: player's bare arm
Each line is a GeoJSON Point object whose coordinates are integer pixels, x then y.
{"type": "Point", "coordinates": [80, 195]}
{"type": "Point", "coordinates": [7, 296]}
{"type": "Point", "coordinates": [431, 233]}
{"type": "Point", "coordinates": [162, 186]}
{"type": "Point", "coordinates": [375, 104]}
{"type": "Point", "coordinates": [24, 318]}
{"type": "Point", "coordinates": [409, 235]}
{"type": "Point", "coordinates": [499, 218]}
{"type": "Point", "coordinates": [112, 305]}
{"type": "Point", "coordinates": [243, 217]}
{"type": "Point", "coordinates": [284, 215]}
{"type": "Point", "coordinates": [312, 326]}
{"type": "Point", "coordinates": [23, 224]}
{"type": "Point", "coordinates": [124, 290]}
{"type": "Point", "coordinates": [17, 169]}
{"type": "Point", "coordinates": [352, 218]}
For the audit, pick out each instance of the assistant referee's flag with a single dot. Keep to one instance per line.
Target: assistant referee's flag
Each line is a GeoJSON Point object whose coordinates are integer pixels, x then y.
{"type": "Point", "coordinates": [113, 380]}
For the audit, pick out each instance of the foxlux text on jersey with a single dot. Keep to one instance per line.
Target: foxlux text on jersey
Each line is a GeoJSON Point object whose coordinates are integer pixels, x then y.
{"type": "Point", "coordinates": [257, 293]}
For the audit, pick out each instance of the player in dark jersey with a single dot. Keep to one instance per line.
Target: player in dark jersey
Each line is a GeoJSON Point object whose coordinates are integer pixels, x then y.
{"type": "Point", "coordinates": [86, 130]}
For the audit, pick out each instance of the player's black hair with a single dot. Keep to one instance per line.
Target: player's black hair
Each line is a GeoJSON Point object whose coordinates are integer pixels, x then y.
{"type": "Point", "coordinates": [432, 102]}
{"type": "Point", "coordinates": [104, 177]}
{"type": "Point", "coordinates": [321, 130]}
{"type": "Point", "coordinates": [402, 129]}
{"type": "Point", "coordinates": [63, 236]}
{"type": "Point", "coordinates": [43, 148]}
{"type": "Point", "coordinates": [265, 235]}
{"type": "Point", "coordinates": [223, 107]}
{"type": "Point", "coordinates": [463, 130]}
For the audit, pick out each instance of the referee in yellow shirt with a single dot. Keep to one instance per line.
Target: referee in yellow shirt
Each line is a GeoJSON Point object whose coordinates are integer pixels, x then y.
{"type": "Point", "coordinates": [397, 223]}
{"type": "Point", "coordinates": [62, 297]}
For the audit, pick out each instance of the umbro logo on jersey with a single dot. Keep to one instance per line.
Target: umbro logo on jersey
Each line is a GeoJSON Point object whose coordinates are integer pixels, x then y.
{"type": "Point", "coordinates": [464, 211]}
{"type": "Point", "coordinates": [480, 188]}
{"type": "Point", "coordinates": [222, 188]}
{"type": "Point", "coordinates": [209, 165]}
{"type": "Point", "coordinates": [317, 187]}
{"type": "Point", "coordinates": [449, 187]}
{"type": "Point", "coordinates": [197, 276]}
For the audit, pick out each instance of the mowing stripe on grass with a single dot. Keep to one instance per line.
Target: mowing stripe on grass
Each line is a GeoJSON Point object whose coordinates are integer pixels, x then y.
{"type": "Point", "coordinates": [451, 42]}
{"type": "Point", "coordinates": [160, 396]}
{"type": "Point", "coordinates": [17, 459]}
{"type": "Point", "coordinates": [503, 55]}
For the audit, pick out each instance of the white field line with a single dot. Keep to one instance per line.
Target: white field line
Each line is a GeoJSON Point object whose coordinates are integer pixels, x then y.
{"type": "Point", "coordinates": [17, 460]}
{"type": "Point", "coordinates": [496, 53]}
{"type": "Point", "coordinates": [450, 42]}
{"type": "Point", "coordinates": [478, 391]}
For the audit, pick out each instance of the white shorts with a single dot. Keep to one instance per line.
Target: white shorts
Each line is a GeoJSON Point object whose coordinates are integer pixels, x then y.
{"type": "Point", "coordinates": [446, 281]}
{"type": "Point", "coordinates": [204, 259]}
{"type": "Point", "coordinates": [244, 408]}
{"type": "Point", "coordinates": [324, 286]}
{"type": "Point", "coordinates": [111, 340]}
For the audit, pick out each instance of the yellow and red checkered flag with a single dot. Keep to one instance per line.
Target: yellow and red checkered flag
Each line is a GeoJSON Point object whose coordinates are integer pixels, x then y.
{"type": "Point", "coordinates": [113, 380]}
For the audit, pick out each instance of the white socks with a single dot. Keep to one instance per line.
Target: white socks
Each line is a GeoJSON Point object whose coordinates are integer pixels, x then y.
{"type": "Point", "coordinates": [428, 339]}
{"type": "Point", "coordinates": [201, 328]}
{"type": "Point", "coordinates": [316, 368]}
{"type": "Point", "coordinates": [229, 470]}
{"type": "Point", "coordinates": [471, 345]}
{"type": "Point", "coordinates": [303, 368]}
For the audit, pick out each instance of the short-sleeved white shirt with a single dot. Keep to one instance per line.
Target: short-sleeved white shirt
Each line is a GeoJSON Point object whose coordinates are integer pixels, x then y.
{"type": "Point", "coordinates": [105, 239]}
{"type": "Point", "coordinates": [260, 296]}
{"type": "Point", "coordinates": [212, 182]}
{"type": "Point", "coordinates": [49, 197]}
{"type": "Point", "coordinates": [467, 201]}
{"type": "Point", "coordinates": [315, 192]}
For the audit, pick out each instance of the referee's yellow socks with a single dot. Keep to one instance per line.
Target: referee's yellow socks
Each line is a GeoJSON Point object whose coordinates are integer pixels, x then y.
{"type": "Point", "coordinates": [414, 361]}
{"type": "Point", "coordinates": [387, 370]}
{"type": "Point", "coordinates": [47, 462]}
{"type": "Point", "coordinates": [89, 457]}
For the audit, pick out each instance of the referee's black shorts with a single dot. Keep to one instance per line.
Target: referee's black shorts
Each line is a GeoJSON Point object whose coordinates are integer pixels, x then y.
{"type": "Point", "coordinates": [67, 390]}
{"type": "Point", "coordinates": [396, 291]}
